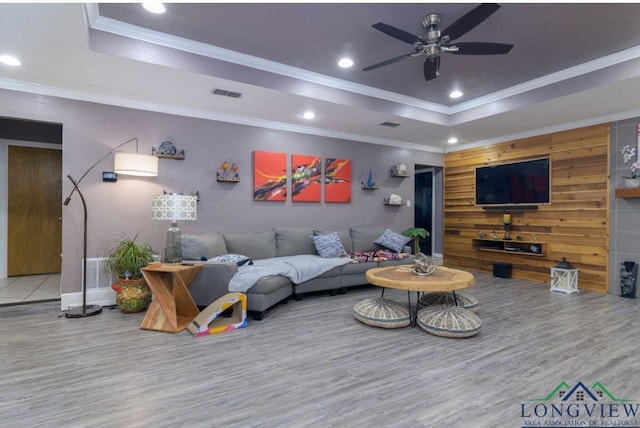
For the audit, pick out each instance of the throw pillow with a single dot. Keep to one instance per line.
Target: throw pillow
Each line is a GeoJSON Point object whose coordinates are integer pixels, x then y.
{"type": "Point", "coordinates": [238, 259]}
{"type": "Point", "coordinates": [392, 240]}
{"type": "Point", "coordinates": [328, 245]}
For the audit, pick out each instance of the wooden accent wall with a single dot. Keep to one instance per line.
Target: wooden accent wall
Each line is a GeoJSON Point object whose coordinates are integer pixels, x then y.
{"type": "Point", "coordinates": [574, 225]}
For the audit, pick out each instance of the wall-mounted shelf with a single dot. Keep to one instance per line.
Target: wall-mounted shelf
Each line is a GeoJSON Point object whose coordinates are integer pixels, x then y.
{"type": "Point", "coordinates": [393, 174]}
{"type": "Point", "coordinates": [628, 192]}
{"type": "Point", "coordinates": [510, 246]}
{"type": "Point", "coordinates": [228, 180]}
{"type": "Point", "coordinates": [178, 157]}
{"type": "Point", "coordinates": [369, 187]}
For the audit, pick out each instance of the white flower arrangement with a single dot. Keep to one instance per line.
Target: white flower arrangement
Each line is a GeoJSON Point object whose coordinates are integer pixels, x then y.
{"type": "Point", "coordinates": [628, 152]}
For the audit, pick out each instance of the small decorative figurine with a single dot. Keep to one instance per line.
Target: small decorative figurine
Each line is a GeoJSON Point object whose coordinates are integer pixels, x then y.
{"type": "Point", "coordinates": [369, 184]}
{"type": "Point", "coordinates": [224, 173]}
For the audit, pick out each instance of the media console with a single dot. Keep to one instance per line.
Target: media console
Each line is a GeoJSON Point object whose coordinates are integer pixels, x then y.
{"type": "Point", "coordinates": [513, 246]}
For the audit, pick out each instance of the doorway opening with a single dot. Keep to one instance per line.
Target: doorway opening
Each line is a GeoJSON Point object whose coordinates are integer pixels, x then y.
{"type": "Point", "coordinates": [423, 206]}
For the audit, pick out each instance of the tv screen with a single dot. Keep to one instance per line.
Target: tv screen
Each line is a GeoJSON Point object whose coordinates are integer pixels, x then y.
{"type": "Point", "coordinates": [513, 183]}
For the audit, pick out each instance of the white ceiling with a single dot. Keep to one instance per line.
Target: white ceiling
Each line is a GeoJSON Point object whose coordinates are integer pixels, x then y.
{"type": "Point", "coordinates": [571, 65]}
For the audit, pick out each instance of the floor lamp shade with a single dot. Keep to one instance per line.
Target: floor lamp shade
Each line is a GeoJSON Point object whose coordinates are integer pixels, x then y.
{"type": "Point", "coordinates": [135, 164]}
{"type": "Point", "coordinates": [174, 207]}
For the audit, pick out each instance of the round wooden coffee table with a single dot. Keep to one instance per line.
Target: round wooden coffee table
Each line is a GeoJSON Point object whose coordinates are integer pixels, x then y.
{"type": "Point", "coordinates": [401, 278]}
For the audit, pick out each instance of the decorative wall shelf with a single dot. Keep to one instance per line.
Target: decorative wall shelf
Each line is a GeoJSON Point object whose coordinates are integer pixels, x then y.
{"type": "Point", "coordinates": [228, 180]}
{"type": "Point", "coordinates": [510, 246]}
{"type": "Point", "coordinates": [369, 187]}
{"type": "Point", "coordinates": [628, 192]}
{"type": "Point", "coordinates": [178, 157]}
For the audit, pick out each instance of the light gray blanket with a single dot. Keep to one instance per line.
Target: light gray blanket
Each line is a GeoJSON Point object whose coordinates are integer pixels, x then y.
{"type": "Point", "coordinates": [298, 269]}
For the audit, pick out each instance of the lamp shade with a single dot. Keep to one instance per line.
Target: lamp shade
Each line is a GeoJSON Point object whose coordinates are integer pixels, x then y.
{"type": "Point", "coordinates": [174, 207]}
{"type": "Point", "coordinates": [135, 164]}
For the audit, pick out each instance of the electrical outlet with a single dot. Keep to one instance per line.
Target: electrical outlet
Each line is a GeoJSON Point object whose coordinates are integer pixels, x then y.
{"type": "Point", "coordinates": [408, 202]}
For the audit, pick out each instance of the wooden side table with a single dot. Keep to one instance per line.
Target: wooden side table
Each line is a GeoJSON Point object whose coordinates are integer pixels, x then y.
{"type": "Point", "coordinates": [172, 307]}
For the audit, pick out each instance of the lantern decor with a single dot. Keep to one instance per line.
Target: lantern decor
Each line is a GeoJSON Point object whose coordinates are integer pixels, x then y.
{"type": "Point", "coordinates": [564, 277]}
{"type": "Point", "coordinates": [628, 275]}
{"type": "Point", "coordinates": [506, 221]}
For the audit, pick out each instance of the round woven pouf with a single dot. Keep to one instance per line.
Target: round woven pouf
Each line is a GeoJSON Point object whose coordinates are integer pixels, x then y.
{"type": "Point", "coordinates": [379, 312]}
{"type": "Point", "coordinates": [464, 300]}
{"type": "Point", "coordinates": [449, 321]}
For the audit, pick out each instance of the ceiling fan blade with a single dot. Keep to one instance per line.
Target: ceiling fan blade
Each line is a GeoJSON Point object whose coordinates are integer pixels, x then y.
{"type": "Point", "coordinates": [431, 68]}
{"type": "Point", "coordinates": [482, 48]}
{"type": "Point", "coordinates": [469, 21]}
{"type": "Point", "coordinates": [387, 62]}
{"type": "Point", "coordinates": [397, 33]}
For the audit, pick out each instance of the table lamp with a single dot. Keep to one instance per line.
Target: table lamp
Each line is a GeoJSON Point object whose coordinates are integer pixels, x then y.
{"type": "Point", "coordinates": [174, 207]}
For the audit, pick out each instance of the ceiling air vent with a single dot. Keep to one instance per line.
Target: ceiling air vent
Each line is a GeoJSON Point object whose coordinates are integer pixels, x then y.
{"type": "Point", "coordinates": [226, 93]}
{"type": "Point", "coordinates": [389, 124]}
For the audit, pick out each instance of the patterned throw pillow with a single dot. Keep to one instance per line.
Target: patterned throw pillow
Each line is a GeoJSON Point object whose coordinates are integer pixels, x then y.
{"type": "Point", "coordinates": [232, 258]}
{"type": "Point", "coordinates": [392, 240]}
{"type": "Point", "coordinates": [328, 245]}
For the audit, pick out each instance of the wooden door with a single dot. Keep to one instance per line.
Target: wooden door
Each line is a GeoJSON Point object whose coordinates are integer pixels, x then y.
{"type": "Point", "coordinates": [34, 235]}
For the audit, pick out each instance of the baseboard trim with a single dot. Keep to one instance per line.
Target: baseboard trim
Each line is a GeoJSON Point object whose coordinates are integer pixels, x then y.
{"type": "Point", "coordinates": [102, 297]}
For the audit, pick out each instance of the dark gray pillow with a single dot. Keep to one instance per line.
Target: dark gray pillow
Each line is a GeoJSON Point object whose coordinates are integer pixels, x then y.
{"type": "Point", "coordinates": [329, 245]}
{"type": "Point", "coordinates": [392, 240]}
{"type": "Point", "coordinates": [345, 237]}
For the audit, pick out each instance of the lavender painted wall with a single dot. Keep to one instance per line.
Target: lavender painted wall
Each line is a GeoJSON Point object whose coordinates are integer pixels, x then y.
{"type": "Point", "coordinates": [90, 130]}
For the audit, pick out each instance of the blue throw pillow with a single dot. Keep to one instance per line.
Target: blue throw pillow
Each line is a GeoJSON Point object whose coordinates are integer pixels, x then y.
{"type": "Point", "coordinates": [392, 240]}
{"type": "Point", "coordinates": [328, 245]}
{"type": "Point", "coordinates": [232, 258]}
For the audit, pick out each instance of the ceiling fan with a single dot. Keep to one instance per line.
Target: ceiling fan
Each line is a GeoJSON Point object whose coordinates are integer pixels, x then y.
{"type": "Point", "coordinates": [433, 42]}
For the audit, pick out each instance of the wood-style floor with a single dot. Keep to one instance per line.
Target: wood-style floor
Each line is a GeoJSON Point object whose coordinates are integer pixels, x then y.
{"type": "Point", "coordinates": [311, 364]}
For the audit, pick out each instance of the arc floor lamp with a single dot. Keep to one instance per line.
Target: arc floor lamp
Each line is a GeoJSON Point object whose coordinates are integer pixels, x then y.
{"type": "Point", "coordinates": [124, 163]}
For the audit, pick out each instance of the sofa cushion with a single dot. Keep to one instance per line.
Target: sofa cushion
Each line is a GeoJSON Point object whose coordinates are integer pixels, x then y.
{"type": "Point", "coordinates": [256, 245]}
{"type": "Point", "coordinates": [345, 237]}
{"type": "Point", "coordinates": [269, 284]}
{"type": "Point", "coordinates": [292, 241]}
{"type": "Point", "coordinates": [392, 240]}
{"type": "Point", "coordinates": [363, 238]}
{"type": "Point", "coordinates": [329, 245]}
{"type": "Point", "coordinates": [355, 268]}
{"type": "Point", "coordinates": [208, 245]}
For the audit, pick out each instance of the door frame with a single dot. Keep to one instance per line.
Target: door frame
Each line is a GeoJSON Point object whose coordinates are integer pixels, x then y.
{"type": "Point", "coordinates": [4, 193]}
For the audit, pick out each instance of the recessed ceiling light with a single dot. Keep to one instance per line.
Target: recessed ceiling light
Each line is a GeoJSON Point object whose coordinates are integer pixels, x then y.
{"type": "Point", "coordinates": [345, 63]}
{"type": "Point", "coordinates": [309, 115]}
{"type": "Point", "coordinates": [10, 60]}
{"type": "Point", "coordinates": [154, 7]}
{"type": "Point", "coordinates": [456, 94]}
{"type": "Point", "coordinates": [452, 140]}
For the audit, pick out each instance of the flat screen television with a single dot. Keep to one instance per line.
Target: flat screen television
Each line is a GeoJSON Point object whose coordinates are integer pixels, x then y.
{"type": "Point", "coordinates": [524, 183]}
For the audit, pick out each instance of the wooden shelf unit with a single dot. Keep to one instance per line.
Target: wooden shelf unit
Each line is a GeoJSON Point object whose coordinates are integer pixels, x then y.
{"type": "Point", "coordinates": [628, 192]}
{"type": "Point", "coordinates": [510, 246]}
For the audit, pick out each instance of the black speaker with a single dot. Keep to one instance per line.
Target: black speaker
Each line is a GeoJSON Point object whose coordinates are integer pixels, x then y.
{"type": "Point", "coordinates": [502, 270]}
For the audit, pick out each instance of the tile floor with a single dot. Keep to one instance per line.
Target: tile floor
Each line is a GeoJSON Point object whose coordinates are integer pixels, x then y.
{"type": "Point", "coordinates": [32, 288]}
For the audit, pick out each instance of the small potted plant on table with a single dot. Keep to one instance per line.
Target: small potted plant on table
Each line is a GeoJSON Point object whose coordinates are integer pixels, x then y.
{"type": "Point", "coordinates": [124, 260]}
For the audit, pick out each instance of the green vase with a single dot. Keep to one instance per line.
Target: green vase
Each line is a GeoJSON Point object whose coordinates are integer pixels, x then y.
{"type": "Point", "coordinates": [132, 295]}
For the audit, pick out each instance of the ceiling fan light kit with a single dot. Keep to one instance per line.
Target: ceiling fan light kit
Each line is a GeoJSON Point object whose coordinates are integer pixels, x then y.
{"type": "Point", "coordinates": [433, 42]}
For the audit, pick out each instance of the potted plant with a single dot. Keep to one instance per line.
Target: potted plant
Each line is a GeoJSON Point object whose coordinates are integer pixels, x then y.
{"type": "Point", "coordinates": [124, 259]}
{"type": "Point", "coordinates": [628, 152]}
{"type": "Point", "coordinates": [416, 233]}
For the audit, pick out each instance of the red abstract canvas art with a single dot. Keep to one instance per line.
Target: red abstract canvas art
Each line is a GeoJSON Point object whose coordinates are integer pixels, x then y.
{"type": "Point", "coordinates": [337, 180]}
{"type": "Point", "coordinates": [269, 176]}
{"type": "Point", "coordinates": [306, 178]}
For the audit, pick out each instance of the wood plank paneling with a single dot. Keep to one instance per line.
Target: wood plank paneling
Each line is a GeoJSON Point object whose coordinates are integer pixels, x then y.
{"type": "Point", "coordinates": [574, 225]}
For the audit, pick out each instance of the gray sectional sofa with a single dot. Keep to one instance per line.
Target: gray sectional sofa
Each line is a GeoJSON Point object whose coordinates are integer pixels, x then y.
{"type": "Point", "coordinates": [213, 280]}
